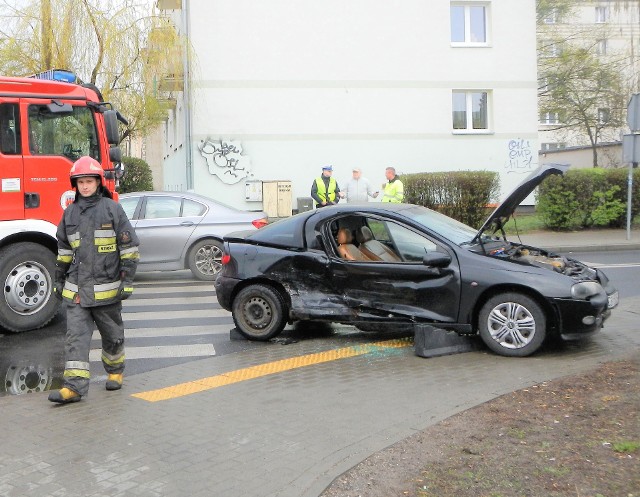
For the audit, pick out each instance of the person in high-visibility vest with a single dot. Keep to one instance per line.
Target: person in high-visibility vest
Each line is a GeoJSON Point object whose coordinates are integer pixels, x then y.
{"type": "Point", "coordinates": [325, 190]}
{"type": "Point", "coordinates": [393, 189]}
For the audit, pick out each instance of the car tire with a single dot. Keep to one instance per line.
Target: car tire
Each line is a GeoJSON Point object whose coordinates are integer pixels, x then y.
{"type": "Point", "coordinates": [259, 312]}
{"type": "Point", "coordinates": [205, 259]}
{"type": "Point", "coordinates": [26, 276]}
{"type": "Point", "coordinates": [512, 324]}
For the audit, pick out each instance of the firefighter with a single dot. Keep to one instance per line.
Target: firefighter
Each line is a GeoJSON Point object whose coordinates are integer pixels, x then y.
{"type": "Point", "coordinates": [97, 260]}
{"type": "Point", "coordinates": [393, 189]}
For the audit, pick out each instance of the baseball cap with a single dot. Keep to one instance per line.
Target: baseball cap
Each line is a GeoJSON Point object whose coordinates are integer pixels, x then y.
{"type": "Point", "coordinates": [327, 168]}
{"type": "Point", "coordinates": [356, 170]}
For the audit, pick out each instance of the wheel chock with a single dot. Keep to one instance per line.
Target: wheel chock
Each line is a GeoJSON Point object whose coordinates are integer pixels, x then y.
{"type": "Point", "coordinates": [430, 341]}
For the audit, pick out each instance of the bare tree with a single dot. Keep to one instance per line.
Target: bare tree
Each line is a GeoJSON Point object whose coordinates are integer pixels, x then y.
{"type": "Point", "coordinates": [106, 43]}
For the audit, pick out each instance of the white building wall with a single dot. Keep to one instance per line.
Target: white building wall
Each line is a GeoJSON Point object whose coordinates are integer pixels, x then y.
{"type": "Point", "coordinates": [298, 84]}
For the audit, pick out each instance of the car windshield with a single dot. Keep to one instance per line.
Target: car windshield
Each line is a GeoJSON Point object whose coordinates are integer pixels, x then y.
{"type": "Point", "coordinates": [452, 230]}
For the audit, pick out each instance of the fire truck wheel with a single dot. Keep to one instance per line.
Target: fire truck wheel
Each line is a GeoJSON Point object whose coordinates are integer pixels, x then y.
{"type": "Point", "coordinates": [26, 275]}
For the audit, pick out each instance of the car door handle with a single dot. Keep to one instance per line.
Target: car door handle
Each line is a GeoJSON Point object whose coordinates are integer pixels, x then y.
{"type": "Point", "coordinates": [186, 223]}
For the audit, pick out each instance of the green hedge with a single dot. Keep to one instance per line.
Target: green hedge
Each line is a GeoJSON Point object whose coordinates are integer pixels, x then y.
{"type": "Point", "coordinates": [462, 195]}
{"type": "Point", "coordinates": [137, 176]}
{"type": "Point", "coordinates": [584, 198]}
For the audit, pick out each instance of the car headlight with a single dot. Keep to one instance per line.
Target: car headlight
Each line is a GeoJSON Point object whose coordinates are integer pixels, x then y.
{"type": "Point", "coordinates": [586, 289]}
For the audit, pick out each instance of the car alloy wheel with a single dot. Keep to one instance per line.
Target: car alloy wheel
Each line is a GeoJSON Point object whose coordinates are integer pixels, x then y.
{"type": "Point", "coordinates": [512, 324]}
{"type": "Point", "coordinates": [205, 259]}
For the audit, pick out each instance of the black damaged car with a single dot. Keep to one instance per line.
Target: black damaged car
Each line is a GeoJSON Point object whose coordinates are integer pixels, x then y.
{"type": "Point", "coordinates": [399, 263]}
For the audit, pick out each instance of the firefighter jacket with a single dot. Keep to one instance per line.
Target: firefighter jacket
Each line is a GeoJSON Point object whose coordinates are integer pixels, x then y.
{"type": "Point", "coordinates": [97, 252]}
{"type": "Point", "coordinates": [393, 191]}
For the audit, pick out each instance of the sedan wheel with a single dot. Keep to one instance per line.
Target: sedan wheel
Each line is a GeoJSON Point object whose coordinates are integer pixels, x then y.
{"type": "Point", "coordinates": [259, 312]}
{"type": "Point", "coordinates": [512, 324]}
{"type": "Point", "coordinates": [205, 259]}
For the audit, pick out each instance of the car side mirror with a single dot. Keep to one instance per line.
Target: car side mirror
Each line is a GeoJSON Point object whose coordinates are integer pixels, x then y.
{"type": "Point", "coordinates": [436, 259]}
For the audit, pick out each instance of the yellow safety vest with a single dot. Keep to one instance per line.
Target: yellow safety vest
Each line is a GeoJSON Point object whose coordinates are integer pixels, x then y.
{"type": "Point", "coordinates": [393, 192]}
{"type": "Point", "coordinates": [322, 190]}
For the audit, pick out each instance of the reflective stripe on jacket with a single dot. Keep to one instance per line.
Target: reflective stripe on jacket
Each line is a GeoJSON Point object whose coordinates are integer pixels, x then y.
{"type": "Point", "coordinates": [97, 251]}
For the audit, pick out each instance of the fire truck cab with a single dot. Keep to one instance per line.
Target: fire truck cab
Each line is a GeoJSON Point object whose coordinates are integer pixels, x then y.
{"type": "Point", "coordinates": [45, 126]}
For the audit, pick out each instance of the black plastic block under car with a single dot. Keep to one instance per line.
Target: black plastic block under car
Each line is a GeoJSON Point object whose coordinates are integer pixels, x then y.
{"type": "Point", "coordinates": [434, 342]}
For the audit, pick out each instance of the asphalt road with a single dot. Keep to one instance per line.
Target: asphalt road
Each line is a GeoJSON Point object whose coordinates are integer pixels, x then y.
{"type": "Point", "coordinates": [174, 319]}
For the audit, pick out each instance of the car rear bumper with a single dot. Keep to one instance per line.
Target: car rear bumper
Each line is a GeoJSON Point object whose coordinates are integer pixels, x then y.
{"type": "Point", "coordinates": [224, 290]}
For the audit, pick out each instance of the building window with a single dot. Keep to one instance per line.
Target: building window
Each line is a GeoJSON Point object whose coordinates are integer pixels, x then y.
{"type": "Point", "coordinates": [551, 17]}
{"type": "Point", "coordinates": [601, 47]}
{"type": "Point", "coordinates": [549, 118]}
{"type": "Point", "coordinates": [469, 23]}
{"type": "Point", "coordinates": [604, 115]}
{"type": "Point", "coordinates": [549, 49]}
{"type": "Point", "coordinates": [470, 110]}
{"type": "Point", "coordinates": [602, 14]}
{"type": "Point", "coordinates": [547, 147]}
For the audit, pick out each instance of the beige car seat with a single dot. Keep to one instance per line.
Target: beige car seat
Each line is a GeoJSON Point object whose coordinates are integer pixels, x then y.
{"type": "Point", "coordinates": [374, 249]}
{"type": "Point", "coordinates": [346, 249]}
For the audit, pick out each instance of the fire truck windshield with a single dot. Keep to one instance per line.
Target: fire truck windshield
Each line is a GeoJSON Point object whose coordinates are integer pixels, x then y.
{"type": "Point", "coordinates": [72, 135]}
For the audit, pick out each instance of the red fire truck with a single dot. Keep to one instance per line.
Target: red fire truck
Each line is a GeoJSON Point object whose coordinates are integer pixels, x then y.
{"type": "Point", "coordinates": [46, 123]}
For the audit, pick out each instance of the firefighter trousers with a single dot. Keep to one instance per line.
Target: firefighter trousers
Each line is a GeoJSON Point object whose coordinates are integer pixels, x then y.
{"type": "Point", "coordinates": [81, 321]}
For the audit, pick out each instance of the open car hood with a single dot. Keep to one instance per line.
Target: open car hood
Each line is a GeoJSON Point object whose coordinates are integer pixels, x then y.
{"type": "Point", "coordinates": [503, 212]}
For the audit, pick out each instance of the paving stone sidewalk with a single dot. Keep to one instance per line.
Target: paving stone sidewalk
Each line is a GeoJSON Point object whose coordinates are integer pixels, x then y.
{"type": "Point", "coordinates": [287, 434]}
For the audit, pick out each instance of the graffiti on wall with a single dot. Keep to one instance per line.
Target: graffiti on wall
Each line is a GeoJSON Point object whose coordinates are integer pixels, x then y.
{"type": "Point", "coordinates": [520, 156]}
{"type": "Point", "coordinates": [225, 160]}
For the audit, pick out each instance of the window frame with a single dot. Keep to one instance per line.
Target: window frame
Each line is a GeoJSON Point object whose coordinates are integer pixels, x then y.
{"type": "Point", "coordinates": [601, 46]}
{"type": "Point", "coordinates": [550, 118]}
{"type": "Point", "coordinates": [469, 129]}
{"type": "Point", "coordinates": [602, 14]}
{"type": "Point", "coordinates": [468, 42]}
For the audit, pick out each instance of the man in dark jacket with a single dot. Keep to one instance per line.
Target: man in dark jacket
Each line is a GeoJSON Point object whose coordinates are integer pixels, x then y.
{"type": "Point", "coordinates": [97, 260]}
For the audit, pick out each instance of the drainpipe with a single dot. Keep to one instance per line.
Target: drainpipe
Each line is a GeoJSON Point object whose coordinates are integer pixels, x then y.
{"type": "Point", "coordinates": [186, 22]}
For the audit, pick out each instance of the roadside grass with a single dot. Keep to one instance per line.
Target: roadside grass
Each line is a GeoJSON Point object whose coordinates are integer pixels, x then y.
{"type": "Point", "coordinates": [526, 223]}
{"type": "Point", "coordinates": [626, 447]}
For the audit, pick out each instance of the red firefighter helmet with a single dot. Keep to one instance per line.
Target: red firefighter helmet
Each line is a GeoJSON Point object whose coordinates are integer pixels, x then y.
{"type": "Point", "coordinates": [86, 166]}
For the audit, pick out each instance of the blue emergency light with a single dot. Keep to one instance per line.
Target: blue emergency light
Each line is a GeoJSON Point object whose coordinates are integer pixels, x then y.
{"type": "Point", "coordinates": [56, 75]}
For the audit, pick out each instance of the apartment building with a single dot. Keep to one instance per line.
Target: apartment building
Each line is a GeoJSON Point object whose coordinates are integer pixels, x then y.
{"type": "Point", "coordinates": [277, 89]}
{"type": "Point", "coordinates": [610, 29]}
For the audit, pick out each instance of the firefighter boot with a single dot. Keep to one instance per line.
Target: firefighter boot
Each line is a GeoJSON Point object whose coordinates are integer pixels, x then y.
{"type": "Point", "coordinates": [64, 396]}
{"type": "Point", "coordinates": [114, 382]}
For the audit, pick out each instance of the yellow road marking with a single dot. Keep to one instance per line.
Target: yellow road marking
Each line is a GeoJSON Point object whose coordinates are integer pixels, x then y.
{"type": "Point", "coordinates": [266, 369]}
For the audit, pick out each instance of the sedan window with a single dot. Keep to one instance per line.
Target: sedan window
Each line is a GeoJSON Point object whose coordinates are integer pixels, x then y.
{"type": "Point", "coordinates": [162, 207]}
{"type": "Point", "coordinates": [129, 205]}
{"type": "Point", "coordinates": [191, 208]}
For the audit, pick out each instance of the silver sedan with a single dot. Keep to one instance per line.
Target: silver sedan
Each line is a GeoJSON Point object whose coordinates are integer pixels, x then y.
{"type": "Point", "coordinates": [180, 230]}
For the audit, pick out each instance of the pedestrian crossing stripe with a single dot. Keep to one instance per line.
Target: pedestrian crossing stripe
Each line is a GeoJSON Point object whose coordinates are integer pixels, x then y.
{"type": "Point", "coordinates": [161, 352]}
{"type": "Point", "coordinates": [266, 369]}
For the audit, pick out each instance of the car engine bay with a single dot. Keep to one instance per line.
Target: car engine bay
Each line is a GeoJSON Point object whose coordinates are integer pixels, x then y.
{"type": "Point", "coordinates": [538, 257]}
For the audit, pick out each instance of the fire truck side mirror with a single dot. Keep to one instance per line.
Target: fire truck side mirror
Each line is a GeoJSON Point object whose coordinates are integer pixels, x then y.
{"type": "Point", "coordinates": [111, 126]}
{"type": "Point", "coordinates": [115, 154]}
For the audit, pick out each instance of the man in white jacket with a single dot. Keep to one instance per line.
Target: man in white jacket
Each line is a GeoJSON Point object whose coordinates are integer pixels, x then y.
{"type": "Point", "coordinates": [358, 189]}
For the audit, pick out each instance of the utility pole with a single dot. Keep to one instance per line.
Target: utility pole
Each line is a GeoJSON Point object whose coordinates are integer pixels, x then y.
{"type": "Point", "coordinates": [631, 150]}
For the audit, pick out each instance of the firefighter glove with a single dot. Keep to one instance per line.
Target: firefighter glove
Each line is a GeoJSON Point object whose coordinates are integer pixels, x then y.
{"type": "Point", "coordinates": [125, 290]}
